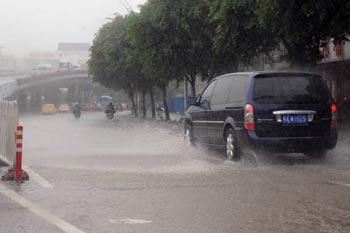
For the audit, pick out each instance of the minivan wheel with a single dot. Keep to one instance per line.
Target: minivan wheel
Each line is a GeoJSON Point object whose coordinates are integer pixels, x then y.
{"type": "Point", "coordinates": [232, 150]}
{"type": "Point", "coordinates": [189, 135]}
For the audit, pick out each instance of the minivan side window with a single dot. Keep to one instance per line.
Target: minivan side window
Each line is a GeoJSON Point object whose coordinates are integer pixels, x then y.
{"type": "Point", "coordinates": [206, 94]}
{"type": "Point", "coordinates": [222, 90]}
{"type": "Point", "coordinates": [239, 88]}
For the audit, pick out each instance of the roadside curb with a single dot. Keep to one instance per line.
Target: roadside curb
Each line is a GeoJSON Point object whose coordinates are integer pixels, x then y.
{"type": "Point", "coordinates": [3, 163]}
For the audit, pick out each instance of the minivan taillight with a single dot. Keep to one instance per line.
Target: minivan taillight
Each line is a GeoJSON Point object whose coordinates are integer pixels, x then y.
{"type": "Point", "coordinates": [249, 124]}
{"type": "Point", "coordinates": [334, 116]}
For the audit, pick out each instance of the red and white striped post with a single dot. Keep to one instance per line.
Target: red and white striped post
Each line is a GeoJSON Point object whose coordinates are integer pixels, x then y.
{"type": "Point", "coordinates": [19, 146]}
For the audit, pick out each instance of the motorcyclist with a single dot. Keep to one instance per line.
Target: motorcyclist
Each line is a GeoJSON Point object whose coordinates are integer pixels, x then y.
{"type": "Point", "coordinates": [110, 110]}
{"type": "Point", "coordinates": [76, 109]}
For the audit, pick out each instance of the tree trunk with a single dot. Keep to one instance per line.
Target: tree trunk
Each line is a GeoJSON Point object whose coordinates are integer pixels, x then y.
{"type": "Point", "coordinates": [211, 66]}
{"type": "Point", "coordinates": [144, 109]}
{"type": "Point", "coordinates": [193, 84]}
{"type": "Point", "coordinates": [165, 103]}
{"type": "Point", "coordinates": [185, 94]}
{"type": "Point", "coordinates": [153, 104]}
{"type": "Point", "coordinates": [132, 98]}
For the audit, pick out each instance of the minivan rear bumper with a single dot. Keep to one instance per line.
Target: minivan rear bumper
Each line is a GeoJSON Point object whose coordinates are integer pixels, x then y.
{"type": "Point", "coordinates": [286, 144]}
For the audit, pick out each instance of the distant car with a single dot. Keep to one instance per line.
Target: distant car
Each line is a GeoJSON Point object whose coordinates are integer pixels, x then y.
{"type": "Point", "coordinates": [63, 108]}
{"type": "Point", "coordinates": [284, 111]}
{"type": "Point", "coordinates": [48, 109]}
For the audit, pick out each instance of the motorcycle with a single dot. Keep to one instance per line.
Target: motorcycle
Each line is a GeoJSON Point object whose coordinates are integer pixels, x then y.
{"type": "Point", "coordinates": [110, 115]}
{"type": "Point", "coordinates": [77, 114]}
{"type": "Point", "coordinates": [76, 111]}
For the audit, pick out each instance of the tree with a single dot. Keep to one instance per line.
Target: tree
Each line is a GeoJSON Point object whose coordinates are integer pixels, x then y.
{"type": "Point", "coordinates": [302, 26]}
{"type": "Point", "coordinates": [152, 41]}
{"type": "Point", "coordinates": [146, 84]}
{"type": "Point", "coordinates": [110, 62]}
{"type": "Point", "coordinates": [191, 33]}
{"type": "Point", "coordinates": [98, 63]}
{"type": "Point", "coordinates": [239, 35]}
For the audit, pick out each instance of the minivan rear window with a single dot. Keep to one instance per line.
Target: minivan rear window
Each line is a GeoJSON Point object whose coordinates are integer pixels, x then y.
{"type": "Point", "coordinates": [290, 90]}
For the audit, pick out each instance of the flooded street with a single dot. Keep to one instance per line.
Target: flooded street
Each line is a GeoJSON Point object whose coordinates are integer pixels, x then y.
{"type": "Point", "coordinates": [108, 109]}
{"type": "Point", "coordinates": [140, 176]}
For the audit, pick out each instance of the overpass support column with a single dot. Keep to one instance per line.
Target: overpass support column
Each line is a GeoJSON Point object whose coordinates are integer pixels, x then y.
{"type": "Point", "coordinates": [29, 102]}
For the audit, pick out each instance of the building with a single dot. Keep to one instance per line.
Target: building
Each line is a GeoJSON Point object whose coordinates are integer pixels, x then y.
{"type": "Point", "coordinates": [335, 67]}
{"type": "Point", "coordinates": [77, 54]}
{"type": "Point", "coordinates": [35, 60]}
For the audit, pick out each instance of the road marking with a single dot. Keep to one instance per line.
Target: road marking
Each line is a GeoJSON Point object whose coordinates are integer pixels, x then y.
{"type": "Point", "coordinates": [56, 221]}
{"type": "Point", "coordinates": [39, 179]}
{"type": "Point", "coordinates": [339, 183]}
{"type": "Point", "coordinates": [129, 221]}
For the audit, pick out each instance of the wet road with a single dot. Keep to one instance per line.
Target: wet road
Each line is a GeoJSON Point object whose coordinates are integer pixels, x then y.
{"type": "Point", "coordinates": [133, 176]}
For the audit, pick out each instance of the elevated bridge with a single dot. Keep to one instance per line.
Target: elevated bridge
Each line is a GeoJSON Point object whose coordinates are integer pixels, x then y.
{"type": "Point", "coordinates": [32, 90]}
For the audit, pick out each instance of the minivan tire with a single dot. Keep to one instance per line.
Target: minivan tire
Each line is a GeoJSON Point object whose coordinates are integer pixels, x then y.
{"type": "Point", "coordinates": [231, 145]}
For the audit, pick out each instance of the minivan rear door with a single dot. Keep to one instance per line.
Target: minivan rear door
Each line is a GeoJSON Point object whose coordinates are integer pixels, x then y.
{"type": "Point", "coordinates": [291, 105]}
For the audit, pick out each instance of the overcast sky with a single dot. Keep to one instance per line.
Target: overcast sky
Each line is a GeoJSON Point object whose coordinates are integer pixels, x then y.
{"type": "Point", "coordinates": [38, 25]}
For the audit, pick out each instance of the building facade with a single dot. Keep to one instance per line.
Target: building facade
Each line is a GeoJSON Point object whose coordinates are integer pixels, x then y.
{"type": "Point", "coordinates": [76, 54]}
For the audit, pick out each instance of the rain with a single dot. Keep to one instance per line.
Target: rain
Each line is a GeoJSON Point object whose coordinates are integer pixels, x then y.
{"type": "Point", "coordinates": [170, 116]}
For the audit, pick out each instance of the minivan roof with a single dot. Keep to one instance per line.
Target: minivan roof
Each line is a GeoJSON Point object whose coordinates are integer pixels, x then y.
{"type": "Point", "coordinates": [271, 72]}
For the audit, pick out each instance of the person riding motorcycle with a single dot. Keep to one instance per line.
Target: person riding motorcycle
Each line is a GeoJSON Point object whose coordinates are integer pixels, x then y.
{"type": "Point", "coordinates": [110, 110]}
{"type": "Point", "coordinates": [76, 110]}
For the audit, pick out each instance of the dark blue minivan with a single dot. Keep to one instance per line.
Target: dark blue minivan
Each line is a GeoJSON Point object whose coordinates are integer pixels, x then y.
{"type": "Point", "coordinates": [280, 111]}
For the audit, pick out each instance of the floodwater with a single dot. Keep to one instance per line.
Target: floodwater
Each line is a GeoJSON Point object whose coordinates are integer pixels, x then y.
{"type": "Point", "coordinates": [140, 176]}
{"type": "Point", "coordinates": [131, 145]}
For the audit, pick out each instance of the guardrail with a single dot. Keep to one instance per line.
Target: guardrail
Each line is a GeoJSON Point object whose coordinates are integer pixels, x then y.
{"type": "Point", "coordinates": [48, 76]}
{"type": "Point", "coordinates": [7, 88]}
{"type": "Point", "coordinates": [8, 127]}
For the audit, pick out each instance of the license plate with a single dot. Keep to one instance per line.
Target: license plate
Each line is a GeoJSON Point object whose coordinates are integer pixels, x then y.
{"type": "Point", "coordinates": [294, 119]}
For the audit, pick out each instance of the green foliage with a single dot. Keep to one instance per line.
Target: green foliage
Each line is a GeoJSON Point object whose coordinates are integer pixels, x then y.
{"type": "Point", "coordinates": [301, 26]}
{"type": "Point", "coordinates": [172, 39]}
{"type": "Point", "coordinates": [108, 55]}
{"type": "Point", "coordinates": [239, 35]}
